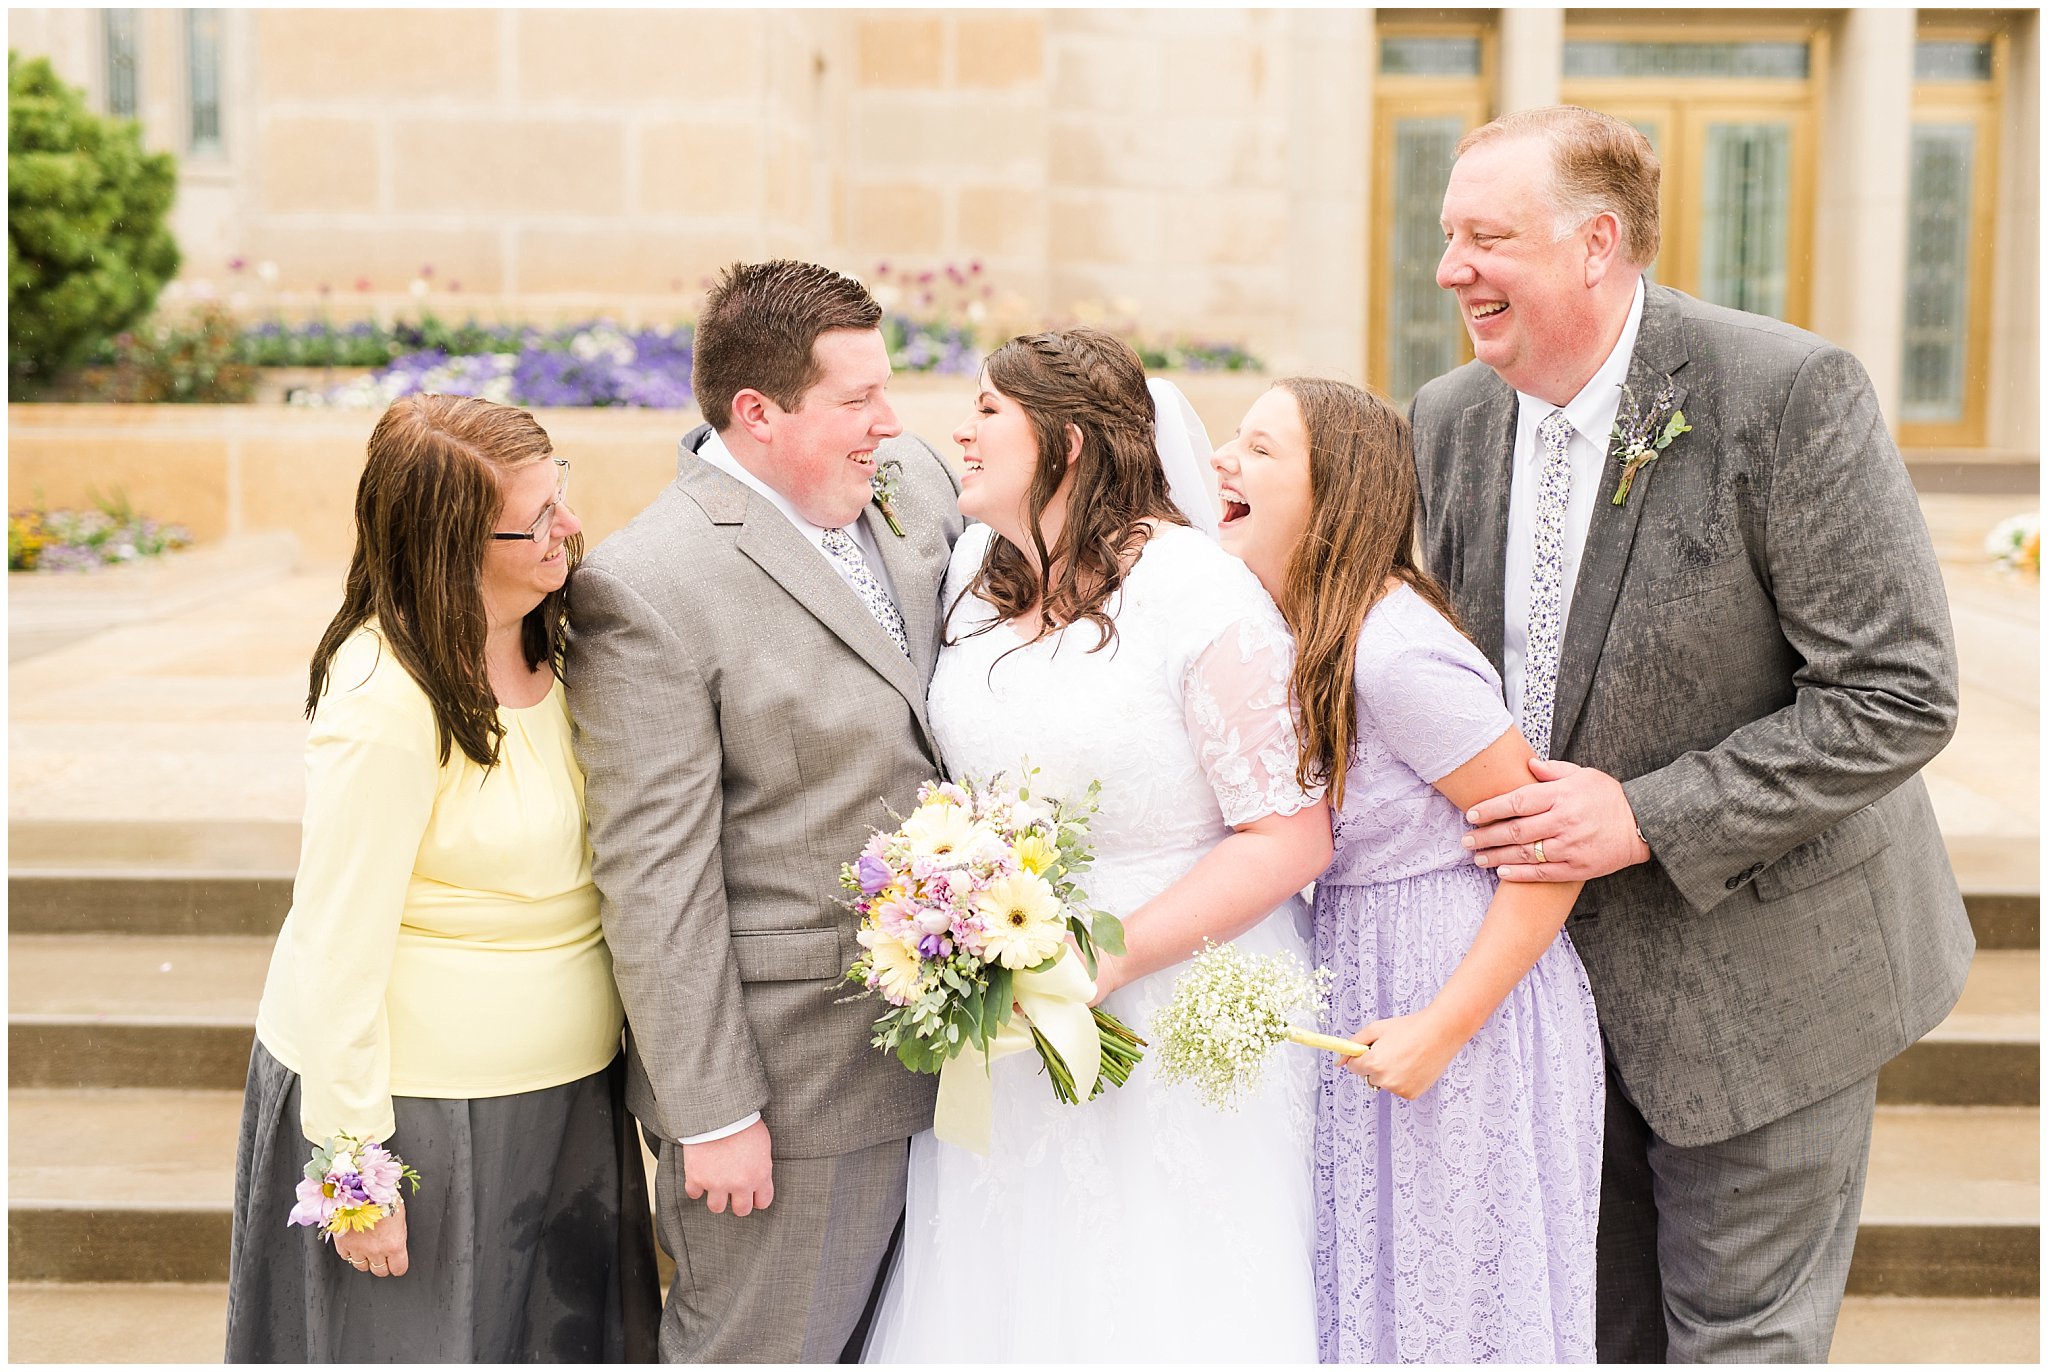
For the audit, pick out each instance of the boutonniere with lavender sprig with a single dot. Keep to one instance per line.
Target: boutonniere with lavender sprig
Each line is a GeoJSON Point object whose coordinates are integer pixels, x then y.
{"type": "Point", "coordinates": [1639, 438]}
{"type": "Point", "coordinates": [884, 484]}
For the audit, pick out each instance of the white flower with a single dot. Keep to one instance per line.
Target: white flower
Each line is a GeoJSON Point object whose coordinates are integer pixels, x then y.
{"type": "Point", "coordinates": [419, 288]}
{"type": "Point", "coordinates": [942, 831]}
{"type": "Point", "coordinates": [266, 272]}
{"type": "Point", "coordinates": [1021, 917]}
{"type": "Point", "coordinates": [893, 966]}
{"type": "Point", "coordinates": [1227, 1012]}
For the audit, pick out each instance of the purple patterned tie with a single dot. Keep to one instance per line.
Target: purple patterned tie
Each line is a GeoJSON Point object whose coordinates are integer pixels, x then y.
{"type": "Point", "coordinates": [1546, 583]}
{"type": "Point", "coordinates": [846, 553]}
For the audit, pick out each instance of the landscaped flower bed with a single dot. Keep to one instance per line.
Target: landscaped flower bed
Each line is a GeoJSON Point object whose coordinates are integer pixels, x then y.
{"type": "Point", "coordinates": [85, 540]}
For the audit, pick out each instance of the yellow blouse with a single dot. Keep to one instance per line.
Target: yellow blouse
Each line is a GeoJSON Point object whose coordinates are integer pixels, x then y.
{"type": "Point", "coordinates": [443, 939]}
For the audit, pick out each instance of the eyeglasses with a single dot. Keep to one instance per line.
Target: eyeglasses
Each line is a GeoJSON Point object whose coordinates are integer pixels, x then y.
{"type": "Point", "coordinates": [544, 524]}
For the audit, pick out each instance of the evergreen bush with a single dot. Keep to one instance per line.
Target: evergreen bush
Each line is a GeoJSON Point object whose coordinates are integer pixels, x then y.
{"type": "Point", "coordinates": [88, 248]}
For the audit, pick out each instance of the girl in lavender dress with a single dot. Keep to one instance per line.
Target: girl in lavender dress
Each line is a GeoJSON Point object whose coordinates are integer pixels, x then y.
{"type": "Point", "coordinates": [1458, 1160]}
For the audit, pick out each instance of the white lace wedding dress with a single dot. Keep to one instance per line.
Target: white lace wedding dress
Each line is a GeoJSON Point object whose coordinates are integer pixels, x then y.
{"type": "Point", "coordinates": [1141, 1226]}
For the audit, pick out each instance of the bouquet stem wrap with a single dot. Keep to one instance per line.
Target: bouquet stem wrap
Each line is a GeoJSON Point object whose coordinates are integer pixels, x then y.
{"type": "Point", "coordinates": [1055, 1003]}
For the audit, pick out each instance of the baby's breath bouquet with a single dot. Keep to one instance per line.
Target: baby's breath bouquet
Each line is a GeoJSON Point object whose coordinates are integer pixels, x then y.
{"type": "Point", "coordinates": [965, 914]}
{"type": "Point", "coordinates": [1228, 1011]}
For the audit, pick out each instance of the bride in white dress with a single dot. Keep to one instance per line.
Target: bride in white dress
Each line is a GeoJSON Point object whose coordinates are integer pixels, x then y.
{"type": "Point", "coordinates": [1141, 1226]}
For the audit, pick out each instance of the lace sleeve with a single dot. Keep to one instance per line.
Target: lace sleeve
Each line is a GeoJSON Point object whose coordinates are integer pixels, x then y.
{"type": "Point", "coordinates": [1235, 695]}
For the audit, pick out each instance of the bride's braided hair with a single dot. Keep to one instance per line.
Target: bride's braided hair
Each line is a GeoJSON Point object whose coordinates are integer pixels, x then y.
{"type": "Point", "coordinates": [1092, 381]}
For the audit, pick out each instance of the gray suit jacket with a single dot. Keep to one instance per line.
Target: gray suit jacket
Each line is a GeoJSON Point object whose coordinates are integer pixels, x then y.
{"type": "Point", "coordinates": [743, 721]}
{"type": "Point", "coordinates": [1759, 648]}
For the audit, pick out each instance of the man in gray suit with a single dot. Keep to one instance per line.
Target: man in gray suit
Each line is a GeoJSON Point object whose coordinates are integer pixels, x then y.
{"type": "Point", "coordinates": [748, 663]}
{"type": "Point", "coordinates": [1737, 647]}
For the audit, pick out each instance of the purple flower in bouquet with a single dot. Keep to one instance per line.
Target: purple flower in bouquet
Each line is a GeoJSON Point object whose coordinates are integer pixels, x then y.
{"type": "Point", "coordinates": [934, 946]}
{"type": "Point", "coordinates": [315, 1205]}
{"type": "Point", "coordinates": [874, 874]}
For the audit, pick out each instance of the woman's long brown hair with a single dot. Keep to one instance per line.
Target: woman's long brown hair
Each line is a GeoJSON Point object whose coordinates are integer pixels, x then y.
{"type": "Point", "coordinates": [1360, 535]}
{"type": "Point", "coordinates": [426, 506]}
{"type": "Point", "coordinates": [1093, 381]}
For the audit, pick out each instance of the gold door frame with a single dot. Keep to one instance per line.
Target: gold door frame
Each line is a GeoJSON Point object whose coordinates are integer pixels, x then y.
{"type": "Point", "coordinates": [1977, 103]}
{"type": "Point", "coordinates": [1397, 97]}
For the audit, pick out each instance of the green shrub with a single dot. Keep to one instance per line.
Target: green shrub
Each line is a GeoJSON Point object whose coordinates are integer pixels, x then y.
{"type": "Point", "coordinates": [87, 244]}
{"type": "Point", "coordinates": [195, 360]}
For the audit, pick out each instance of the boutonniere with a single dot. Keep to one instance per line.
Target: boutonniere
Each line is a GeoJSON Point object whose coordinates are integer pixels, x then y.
{"type": "Point", "coordinates": [884, 484]}
{"type": "Point", "coordinates": [1640, 437]}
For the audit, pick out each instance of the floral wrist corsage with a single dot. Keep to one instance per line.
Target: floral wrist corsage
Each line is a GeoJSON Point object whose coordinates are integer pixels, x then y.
{"type": "Point", "coordinates": [350, 1185]}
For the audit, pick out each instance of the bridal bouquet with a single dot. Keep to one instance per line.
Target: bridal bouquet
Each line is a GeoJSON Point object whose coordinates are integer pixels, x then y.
{"type": "Point", "coordinates": [965, 915]}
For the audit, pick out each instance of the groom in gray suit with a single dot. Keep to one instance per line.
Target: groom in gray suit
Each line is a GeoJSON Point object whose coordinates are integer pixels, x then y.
{"type": "Point", "coordinates": [1736, 645]}
{"type": "Point", "coordinates": [747, 669]}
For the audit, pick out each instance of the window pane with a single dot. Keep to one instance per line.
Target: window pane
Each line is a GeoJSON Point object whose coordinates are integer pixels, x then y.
{"type": "Point", "coordinates": [1425, 337]}
{"type": "Point", "coordinates": [1429, 56]}
{"type": "Point", "coordinates": [1952, 61]}
{"type": "Point", "coordinates": [120, 50]}
{"type": "Point", "coordinates": [202, 78]}
{"type": "Point", "coordinates": [1584, 58]}
{"type": "Point", "coordinates": [1744, 224]}
{"type": "Point", "coordinates": [1938, 272]}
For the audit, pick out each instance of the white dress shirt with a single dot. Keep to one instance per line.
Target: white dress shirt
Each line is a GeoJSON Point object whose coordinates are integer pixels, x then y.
{"type": "Point", "coordinates": [1591, 413]}
{"type": "Point", "coordinates": [718, 455]}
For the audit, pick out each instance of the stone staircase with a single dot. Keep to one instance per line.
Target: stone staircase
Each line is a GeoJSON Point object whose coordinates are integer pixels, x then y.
{"type": "Point", "coordinates": [131, 1002]}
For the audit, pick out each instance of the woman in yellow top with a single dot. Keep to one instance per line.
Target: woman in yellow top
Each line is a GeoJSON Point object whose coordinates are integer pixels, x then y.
{"type": "Point", "coordinates": [441, 983]}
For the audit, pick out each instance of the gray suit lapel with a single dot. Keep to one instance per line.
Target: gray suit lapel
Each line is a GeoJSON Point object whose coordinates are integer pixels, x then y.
{"type": "Point", "coordinates": [1660, 353]}
{"type": "Point", "coordinates": [771, 542]}
{"type": "Point", "coordinates": [1487, 431]}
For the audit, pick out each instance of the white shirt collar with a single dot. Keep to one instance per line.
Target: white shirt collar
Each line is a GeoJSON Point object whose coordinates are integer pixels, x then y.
{"type": "Point", "coordinates": [1592, 411]}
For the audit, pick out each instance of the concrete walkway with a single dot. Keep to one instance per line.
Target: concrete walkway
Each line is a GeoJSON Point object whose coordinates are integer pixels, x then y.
{"type": "Point", "coordinates": [176, 741]}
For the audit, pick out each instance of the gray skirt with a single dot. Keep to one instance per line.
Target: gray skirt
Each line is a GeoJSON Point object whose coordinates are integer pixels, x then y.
{"type": "Point", "coordinates": [529, 1239]}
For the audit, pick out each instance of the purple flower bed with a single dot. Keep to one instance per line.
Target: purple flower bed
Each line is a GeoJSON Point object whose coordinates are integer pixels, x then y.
{"type": "Point", "coordinates": [595, 364]}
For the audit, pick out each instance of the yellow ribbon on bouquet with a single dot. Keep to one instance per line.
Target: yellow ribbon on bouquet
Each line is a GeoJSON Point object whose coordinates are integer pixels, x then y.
{"type": "Point", "coordinates": [1054, 1000]}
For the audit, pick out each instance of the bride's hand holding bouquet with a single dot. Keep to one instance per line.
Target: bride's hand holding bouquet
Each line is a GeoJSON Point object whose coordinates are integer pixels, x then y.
{"type": "Point", "coordinates": [975, 930]}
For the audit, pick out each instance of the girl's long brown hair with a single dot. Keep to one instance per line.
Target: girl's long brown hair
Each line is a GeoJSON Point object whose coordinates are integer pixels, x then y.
{"type": "Point", "coordinates": [1093, 381]}
{"type": "Point", "coordinates": [426, 506]}
{"type": "Point", "coordinates": [1361, 534]}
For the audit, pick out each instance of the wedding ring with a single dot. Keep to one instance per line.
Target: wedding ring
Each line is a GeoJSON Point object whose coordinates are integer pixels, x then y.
{"type": "Point", "coordinates": [1537, 849]}
{"type": "Point", "coordinates": [380, 1267]}
{"type": "Point", "coordinates": [360, 1264]}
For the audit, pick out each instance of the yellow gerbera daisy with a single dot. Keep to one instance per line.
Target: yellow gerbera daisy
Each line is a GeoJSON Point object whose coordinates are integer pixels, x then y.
{"type": "Point", "coordinates": [893, 965]}
{"type": "Point", "coordinates": [1022, 917]}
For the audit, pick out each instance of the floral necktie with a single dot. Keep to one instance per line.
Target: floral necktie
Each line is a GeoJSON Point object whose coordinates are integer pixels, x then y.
{"type": "Point", "coordinates": [843, 550]}
{"type": "Point", "coordinates": [1546, 583]}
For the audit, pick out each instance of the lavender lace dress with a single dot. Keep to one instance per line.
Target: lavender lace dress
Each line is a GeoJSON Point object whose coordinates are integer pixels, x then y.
{"type": "Point", "coordinates": [1457, 1227]}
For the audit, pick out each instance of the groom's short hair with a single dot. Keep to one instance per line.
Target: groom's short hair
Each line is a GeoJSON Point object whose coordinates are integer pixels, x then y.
{"type": "Point", "coordinates": [758, 329]}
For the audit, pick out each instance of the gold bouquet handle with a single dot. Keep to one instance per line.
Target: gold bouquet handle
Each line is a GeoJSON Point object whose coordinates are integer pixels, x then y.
{"type": "Point", "coordinates": [1349, 1048]}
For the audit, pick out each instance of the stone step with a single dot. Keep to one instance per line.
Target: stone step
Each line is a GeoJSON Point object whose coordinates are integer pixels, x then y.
{"type": "Point", "coordinates": [1988, 1050]}
{"type": "Point", "coordinates": [46, 612]}
{"type": "Point", "coordinates": [81, 901]}
{"type": "Point", "coordinates": [1953, 1203]}
{"type": "Point", "coordinates": [169, 1322]}
{"type": "Point", "coordinates": [135, 1185]}
{"type": "Point", "coordinates": [140, 1322]}
{"type": "Point", "coordinates": [107, 1010]}
{"type": "Point", "coordinates": [179, 880]}
{"type": "Point", "coordinates": [1928, 1329]}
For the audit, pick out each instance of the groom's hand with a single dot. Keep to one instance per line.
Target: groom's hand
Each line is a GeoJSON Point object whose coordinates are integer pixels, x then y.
{"type": "Point", "coordinates": [1579, 815]}
{"type": "Point", "coordinates": [737, 1170]}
